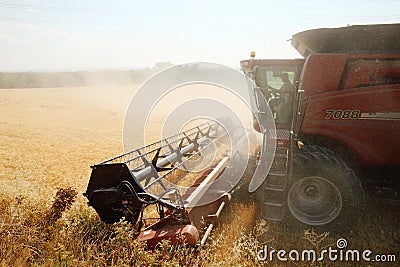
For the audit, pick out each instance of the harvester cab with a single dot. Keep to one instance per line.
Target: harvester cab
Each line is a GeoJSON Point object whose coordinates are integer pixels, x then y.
{"type": "Point", "coordinates": [277, 79]}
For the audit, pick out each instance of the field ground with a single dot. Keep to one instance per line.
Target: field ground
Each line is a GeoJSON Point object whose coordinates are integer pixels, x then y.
{"type": "Point", "coordinates": [50, 137]}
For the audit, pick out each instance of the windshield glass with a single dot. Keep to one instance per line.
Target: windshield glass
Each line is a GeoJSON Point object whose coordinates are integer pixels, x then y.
{"type": "Point", "coordinates": [277, 84]}
{"type": "Point", "coordinates": [271, 76]}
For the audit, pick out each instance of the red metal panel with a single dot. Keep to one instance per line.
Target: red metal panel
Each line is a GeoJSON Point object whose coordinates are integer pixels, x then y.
{"type": "Point", "coordinates": [322, 73]}
{"type": "Point", "coordinates": [373, 135]}
{"type": "Point", "coordinates": [176, 234]}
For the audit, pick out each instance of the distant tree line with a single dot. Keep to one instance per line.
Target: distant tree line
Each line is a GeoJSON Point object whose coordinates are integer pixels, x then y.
{"type": "Point", "coordinates": [77, 78]}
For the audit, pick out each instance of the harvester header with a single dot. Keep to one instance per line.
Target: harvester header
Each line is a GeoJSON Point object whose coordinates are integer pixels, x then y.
{"type": "Point", "coordinates": [175, 175]}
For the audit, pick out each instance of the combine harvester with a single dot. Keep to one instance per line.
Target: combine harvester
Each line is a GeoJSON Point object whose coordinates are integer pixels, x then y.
{"type": "Point", "coordinates": [338, 121]}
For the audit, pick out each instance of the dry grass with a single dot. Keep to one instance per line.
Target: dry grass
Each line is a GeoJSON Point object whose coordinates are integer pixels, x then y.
{"type": "Point", "coordinates": [50, 137]}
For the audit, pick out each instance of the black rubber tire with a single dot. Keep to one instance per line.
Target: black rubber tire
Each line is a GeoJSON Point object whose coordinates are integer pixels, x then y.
{"type": "Point", "coordinates": [323, 193]}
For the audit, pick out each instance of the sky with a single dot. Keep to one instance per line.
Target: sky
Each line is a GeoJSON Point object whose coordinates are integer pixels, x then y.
{"type": "Point", "coordinates": [44, 35]}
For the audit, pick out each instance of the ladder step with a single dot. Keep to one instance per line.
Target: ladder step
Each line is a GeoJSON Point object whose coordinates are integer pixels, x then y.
{"type": "Point", "coordinates": [274, 187]}
{"type": "Point", "coordinates": [282, 156]}
{"type": "Point", "coordinates": [278, 166]}
{"type": "Point", "coordinates": [273, 202]}
{"type": "Point", "coordinates": [277, 173]}
{"type": "Point", "coordinates": [282, 150]}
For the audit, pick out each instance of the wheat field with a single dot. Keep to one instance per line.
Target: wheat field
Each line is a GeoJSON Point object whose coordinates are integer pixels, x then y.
{"type": "Point", "coordinates": [50, 137]}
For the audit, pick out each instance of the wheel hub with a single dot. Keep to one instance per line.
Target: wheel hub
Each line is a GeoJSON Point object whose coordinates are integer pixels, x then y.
{"type": "Point", "coordinates": [314, 200]}
{"type": "Point", "coordinates": [311, 191]}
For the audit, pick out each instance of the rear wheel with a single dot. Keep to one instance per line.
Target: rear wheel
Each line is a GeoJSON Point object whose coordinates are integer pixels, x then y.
{"type": "Point", "coordinates": [323, 191]}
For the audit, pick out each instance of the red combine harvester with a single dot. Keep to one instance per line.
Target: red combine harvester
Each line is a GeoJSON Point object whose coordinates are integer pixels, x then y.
{"type": "Point", "coordinates": [337, 115]}
{"type": "Point", "coordinates": [337, 118]}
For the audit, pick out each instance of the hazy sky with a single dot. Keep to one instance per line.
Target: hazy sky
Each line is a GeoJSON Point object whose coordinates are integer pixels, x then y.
{"type": "Point", "coordinates": [74, 35]}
